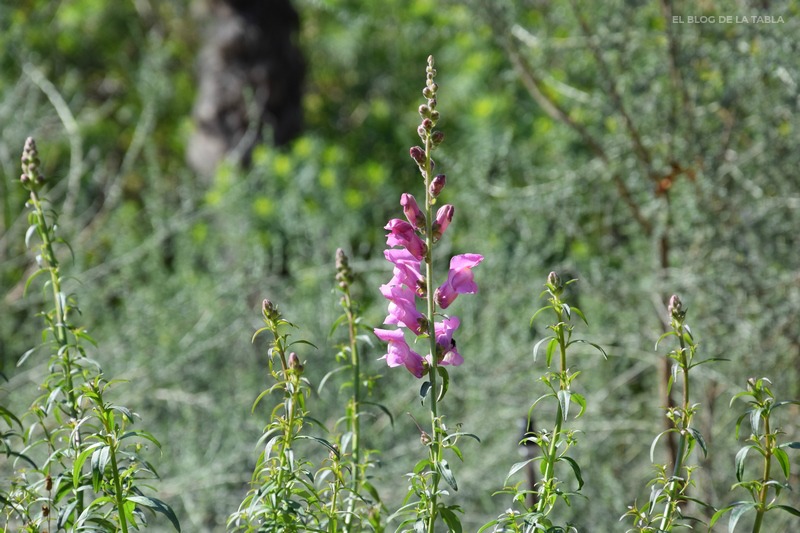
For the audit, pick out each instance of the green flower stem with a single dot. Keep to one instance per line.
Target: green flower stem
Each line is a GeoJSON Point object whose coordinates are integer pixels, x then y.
{"type": "Point", "coordinates": [355, 425]}
{"type": "Point", "coordinates": [60, 327]}
{"type": "Point", "coordinates": [550, 462]}
{"type": "Point", "coordinates": [761, 508]}
{"type": "Point", "coordinates": [672, 492]}
{"type": "Point", "coordinates": [436, 443]}
{"type": "Point", "coordinates": [118, 496]}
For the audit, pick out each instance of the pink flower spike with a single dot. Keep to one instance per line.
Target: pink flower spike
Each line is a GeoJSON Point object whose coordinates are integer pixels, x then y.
{"type": "Point", "coordinates": [460, 279]}
{"type": "Point", "coordinates": [399, 352]}
{"type": "Point", "coordinates": [412, 211]}
{"type": "Point", "coordinates": [403, 308]}
{"type": "Point", "coordinates": [446, 352]}
{"type": "Point", "coordinates": [443, 218]}
{"type": "Point", "coordinates": [401, 233]}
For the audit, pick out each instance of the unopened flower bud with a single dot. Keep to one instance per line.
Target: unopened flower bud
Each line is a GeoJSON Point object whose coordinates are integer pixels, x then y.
{"type": "Point", "coordinates": [418, 155]}
{"type": "Point", "coordinates": [437, 137]}
{"type": "Point", "coordinates": [675, 308]}
{"type": "Point", "coordinates": [269, 310]}
{"type": "Point", "coordinates": [413, 213]}
{"type": "Point", "coordinates": [427, 92]}
{"type": "Point", "coordinates": [422, 133]}
{"type": "Point", "coordinates": [424, 438]}
{"type": "Point", "coordinates": [294, 363]}
{"type": "Point", "coordinates": [554, 283]}
{"type": "Point", "coordinates": [424, 111]}
{"type": "Point", "coordinates": [427, 124]}
{"type": "Point", "coordinates": [443, 218]}
{"type": "Point", "coordinates": [437, 184]}
{"type": "Point", "coordinates": [434, 116]}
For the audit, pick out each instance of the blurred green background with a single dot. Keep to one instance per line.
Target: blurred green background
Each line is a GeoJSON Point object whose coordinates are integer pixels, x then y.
{"type": "Point", "coordinates": [597, 139]}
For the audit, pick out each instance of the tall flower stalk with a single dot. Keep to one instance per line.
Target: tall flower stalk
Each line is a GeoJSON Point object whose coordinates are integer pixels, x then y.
{"type": "Point", "coordinates": [413, 280]}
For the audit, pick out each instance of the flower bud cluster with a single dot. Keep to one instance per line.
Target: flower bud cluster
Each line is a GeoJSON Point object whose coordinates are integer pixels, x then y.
{"type": "Point", "coordinates": [344, 274]}
{"type": "Point", "coordinates": [270, 311]}
{"type": "Point", "coordinates": [430, 137]}
{"type": "Point", "coordinates": [31, 177]}
{"type": "Point", "coordinates": [414, 236]}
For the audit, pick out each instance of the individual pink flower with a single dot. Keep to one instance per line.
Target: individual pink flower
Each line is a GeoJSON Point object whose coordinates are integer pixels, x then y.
{"type": "Point", "coordinates": [406, 270]}
{"type": "Point", "coordinates": [401, 233]}
{"type": "Point", "coordinates": [403, 308]}
{"type": "Point", "coordinates": [443, 218]}
{"type": "Point", "coordinates": [446, 352]}
{"type": "Point", "coordinates": [412, 211]}
{"type": "Point", "coordinates": [459, 279]}
{"type": "Point", "coordinates": [399, 352]}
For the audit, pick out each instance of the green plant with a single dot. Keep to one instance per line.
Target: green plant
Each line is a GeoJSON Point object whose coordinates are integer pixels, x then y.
{"type": "Point", "coordinates": [553, 444]}
{"type": "Point", "coordinates": [764, 490]}
{"type": "Point", "coordinates": [80, 467]}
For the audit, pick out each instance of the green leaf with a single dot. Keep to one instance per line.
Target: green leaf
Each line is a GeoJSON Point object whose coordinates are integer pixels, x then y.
{"type": "Point", "coordinates": [320, 440]}
{"type": "Point", "coordinates": [450, 518]}
{"type": "Point", "coordinates": [444, 469]}
{"type": "Point", "coordinates": [157, 506]}
{"type": "Point", "coordinates": [551, 349]}
{"type": "Point", "coordinates": [142, 435]}
{"type": "Point", "coordinates": [516, 467]}
{"type": "Point", "coordinates": [563, 401]}
{"type": "Point", "coordinates": [739, 508]}
{"type": "Point", "coordinates": [580, 314]}
{"type": "Point", "coordinates": [580, 400]}
{"type": "Point", "coordinates": [382, 408]}
{"type": "Point", "coordinates": [329, 375]}
{"type": "Point", "coordinates": [790, 510]}
{"type": "Point", "coordinates": [698, 437]}
{"type": "Point", "coordinates": [539, 311]}
{"type": "Point", "coordinates": [783, 460]}
{"type": "Point", "coordinates": [576, 469]}
{"type": "Point", "coordinates": [755, 420]}
{"type": "Point", "coordinates": [442, 371]}
{"type": "Point", "coordinates": [537, 345]}
{"type": "Point", "coordinates": [655, 441]}
{"type": "Point", "coordinates": [739, 461]}
{"type": "Point", "coordinates": [423, 391]}
{"type": "Point", "coordinates": [303, 341]}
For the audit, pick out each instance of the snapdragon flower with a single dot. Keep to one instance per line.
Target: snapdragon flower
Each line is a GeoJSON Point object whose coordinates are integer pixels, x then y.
{"type": "Point", "coordinates": [399, 353]}
{"type": "Point", "coordinates": [403, 308]}
{"type": "Point", "coordinates": [446, 352]}
{"type": "Point", "coordinates": [406, 270]}
{"type": "Point", "coordinates": [402, 233]}
{"type": "Point", "coordinates": [460, 279]}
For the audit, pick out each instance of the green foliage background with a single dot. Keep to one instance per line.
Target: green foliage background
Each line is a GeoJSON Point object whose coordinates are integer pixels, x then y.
{"type": "Point", "coordinates": [171, 269]}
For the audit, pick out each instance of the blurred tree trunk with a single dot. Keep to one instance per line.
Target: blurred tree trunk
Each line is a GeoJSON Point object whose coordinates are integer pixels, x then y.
{"type": "Point", "coordinates": [251, 72]}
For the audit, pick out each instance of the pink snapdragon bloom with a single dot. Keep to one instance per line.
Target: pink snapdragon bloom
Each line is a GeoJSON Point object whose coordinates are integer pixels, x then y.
{"type": "Point", "coordinates": [399, 353]}
{"type": "Point", "coordinates": [406, 270]}
{"type": "Point", "coordinates": [412, 211]}
{"type": "Point", "coordinates": [460, 279]}
{"type": "Point", "coordinates": [446, 352]}
{"type": "Point", "coordinates": [401, 233]}
{"type": "Point", "coordinates": [403, 308]}
{"type": "Point", "coordinates": [443, 218]}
